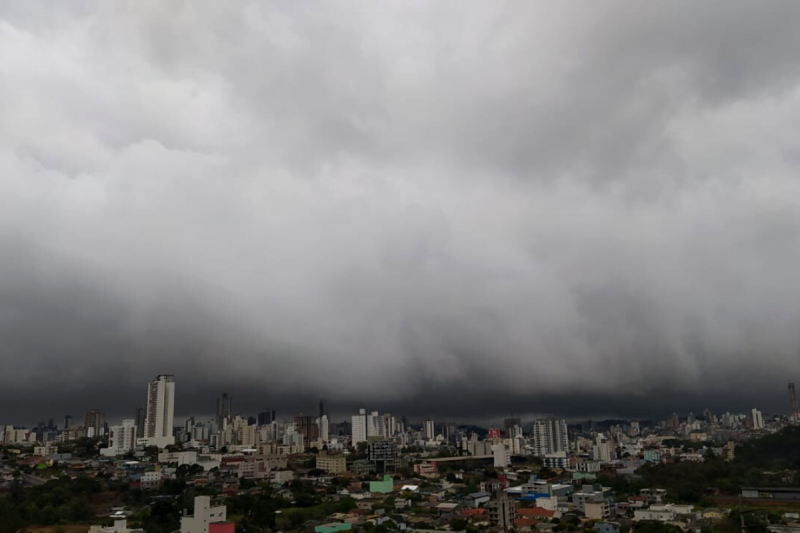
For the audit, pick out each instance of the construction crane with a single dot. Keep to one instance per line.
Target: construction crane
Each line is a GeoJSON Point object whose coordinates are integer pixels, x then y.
{"type": "Point", "coordinates": [793, 401]}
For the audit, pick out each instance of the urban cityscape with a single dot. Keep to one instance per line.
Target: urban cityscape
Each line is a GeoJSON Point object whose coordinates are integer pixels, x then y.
{"type": "Point", "coordinates": [377, 471]}
{"type": "Point", "coordinates": [399, 266]}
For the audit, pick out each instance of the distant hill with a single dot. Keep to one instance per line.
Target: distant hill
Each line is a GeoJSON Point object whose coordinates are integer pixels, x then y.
{"type": "Point", "coordinates": [778, 451]}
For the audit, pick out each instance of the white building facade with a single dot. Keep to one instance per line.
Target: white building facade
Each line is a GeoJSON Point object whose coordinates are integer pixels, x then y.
{"type": "Point", "coordinates": [160, 411]}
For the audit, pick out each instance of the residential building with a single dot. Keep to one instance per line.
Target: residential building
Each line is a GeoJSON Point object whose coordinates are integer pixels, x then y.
{"type": "Point", "coordinates": [557, 460]}
{"type": "Point", "coordinates": [597, 510]}
{"type": "Point", "coordinates": [549, 436]}
{"type": "Point", "coordinates": [93, 423]}
{"type": "Point", "coordinates": [601, 450]}
{"type": "Point", "coordinates": [657, 513]}
{"type": "Point", "coordinates": [500, 455]}
{"type": "Point", "coordinates": [224, 409]}
{"type": "Point", "coordinates": [426, 469]}
{"type": "Point", "coordinates": [594, 499]}
{"type": "Point", "coordinates": [253, 467]}
{"type": "Point", "coordinates": [150, 480]}
{"type": "Point", "coordinates": [757, 419]}
{"type": "Point", "coordinates": [160, 411]}
{"type": "Point", "coordinates": [653, 456]}
{"type": "Point", "coordinates": [247, 435]}
{"type": "Point", "coordinates": [186, 457]}
{"type": "Point", "coordinates": [332, 463]}
{"type": "Point", "coordinates": [306, 425]}
{"type": "Point", "coordinates": [502, 512]}
{"type": "Point", "coordinates": [476, 499]}
{"type": "Point", "coordinates": [204, 516]}
{"type": "Point", "coordinates": [359, 427]}
{"type": "Point", "coordinates": [374, 424]}
{"type": "Point", "coordinates": [429, 431]}
{"type": "Point", "coordinates": [324, 428]}
{"type": "Point", "coordinates": [121, 439]}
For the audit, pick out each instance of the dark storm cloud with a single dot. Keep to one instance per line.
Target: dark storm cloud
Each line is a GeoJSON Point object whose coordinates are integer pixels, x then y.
{"type": "Point", "coordinates": [412, 205]}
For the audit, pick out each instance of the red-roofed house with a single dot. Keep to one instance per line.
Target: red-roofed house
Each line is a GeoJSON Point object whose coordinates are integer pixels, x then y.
{"type": "Point", "coordinates": [536, 512]}
{"type": "Point", "coordinates": [525, 524]}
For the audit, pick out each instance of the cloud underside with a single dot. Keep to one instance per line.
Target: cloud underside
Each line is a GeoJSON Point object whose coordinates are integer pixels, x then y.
{"type": "Point", "coordinates": [401, 204]}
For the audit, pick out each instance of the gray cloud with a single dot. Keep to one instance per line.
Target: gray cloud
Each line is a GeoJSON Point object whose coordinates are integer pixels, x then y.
{"type": "Point", "coordinates": [390, 204]}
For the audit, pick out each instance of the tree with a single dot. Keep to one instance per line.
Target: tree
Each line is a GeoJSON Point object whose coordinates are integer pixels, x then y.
{"type": "Point", "coordinates": [654, 526]}
{"type": "Point", "coordinates": [458, 524]}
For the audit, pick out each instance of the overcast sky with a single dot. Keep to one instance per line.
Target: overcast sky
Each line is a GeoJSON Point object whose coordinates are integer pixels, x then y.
{"type": "Point", "coordinates": [446, 208]}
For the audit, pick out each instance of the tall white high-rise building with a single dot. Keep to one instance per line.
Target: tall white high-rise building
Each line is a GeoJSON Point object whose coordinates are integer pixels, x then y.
{"type": "Point", "coordinates": [549, 436]}
{"type": "Point", "coordinates": [374, 423]}
{"type": "Point", "coordinates": [160, 411]}
{"type": "Point", "coordinates": [601, 451]}
{"type": "Point", "coordinates": [359, 427]}
{"type": "Point", "coordinates": [758, 419]}
{"type": "Point", "coordinates": [429, 430]}
{"type": "Point", "coordinates": [324, 428]}
{"type": "Point", "coordinates": [388, 425]}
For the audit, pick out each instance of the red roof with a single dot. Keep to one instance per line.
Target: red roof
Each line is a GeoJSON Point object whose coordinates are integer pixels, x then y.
{"type": "Point", "coordinates": [473, 512]}
{"type": "Point", "coordinates": [519, 522]}
{"type": "Point", "coordinates": [538, 512]}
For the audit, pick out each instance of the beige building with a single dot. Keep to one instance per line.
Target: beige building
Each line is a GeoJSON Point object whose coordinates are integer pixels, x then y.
{"type": "Point", "coordinates": [332, 463]}
{"type": "Point", "coordinates": [597, 510]}
{"type": "Point", "coordinates": [254, 468]}
{"type": "Point", "coordinates": [160, 411]}
{"type": "Point", "coordinates": [247, 436]}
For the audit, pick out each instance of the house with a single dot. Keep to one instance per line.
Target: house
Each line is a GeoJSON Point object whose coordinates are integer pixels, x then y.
{"type": "Point", "coordinates": [637, 502]}
{"type": "Point", "coordinates": [607, 527]}
{"type": "Point", "coordinates": [660, 515]}
{"type": "Point", "coordinates": [446, 507]}
{"type": "Point", "coordinates": [538, 513]}
{"type": "Point", "coordinates": [654, 495]}
{"type": "Point", "coordinates": [598, 510]}
{"type": "Point", "coordinates": [476, 499]}
{"type": "Point", "coordinates": [402, 503]}
{"type": "Point", "coordinates": [525, 524]}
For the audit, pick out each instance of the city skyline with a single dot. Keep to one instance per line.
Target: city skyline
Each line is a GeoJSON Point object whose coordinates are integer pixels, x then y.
{"type": "Point", "coordinates": [418, 415]}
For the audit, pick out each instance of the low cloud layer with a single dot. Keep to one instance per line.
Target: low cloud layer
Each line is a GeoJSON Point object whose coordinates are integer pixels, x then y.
{"type": "Point", "coordinates": [395, 203]}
